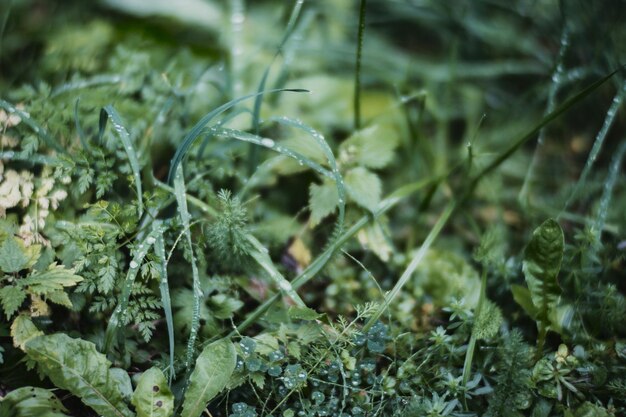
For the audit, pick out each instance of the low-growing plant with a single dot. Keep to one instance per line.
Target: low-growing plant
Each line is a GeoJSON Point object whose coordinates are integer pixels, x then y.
{"type": "Point", "coordinates": [255, 209]}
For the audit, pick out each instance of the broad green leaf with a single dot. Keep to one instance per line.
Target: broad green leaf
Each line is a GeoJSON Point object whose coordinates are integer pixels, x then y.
{"type": "Point", "coordinates": [76, 366]}
{"type": "Point", "coordinates": [213, 370]}
{"type": "Point", "coordinates": [152, 397]}
{"type": "Point", "coordinates": [31, 402]}
{"type": "Point", "coordinates": [11, 298]}
{"type": "Point", "coordinates": [372, 147]}
{"type": "Point", "coordinates": [323, 199]}
{"type": "Point", "coordinates": [12, 257]}
{"type": "Point", "coordinates": [364, 187]}
{"type": "Point", "coordinates": [542, 262]}
{"type": "Point", "coordinates": [22, 330]}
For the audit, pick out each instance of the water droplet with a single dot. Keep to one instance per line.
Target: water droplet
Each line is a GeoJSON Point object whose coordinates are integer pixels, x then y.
{"type": "Point", "coordinates": [133, 264]}
{"type": "Point", "coordinates": [267, 142]}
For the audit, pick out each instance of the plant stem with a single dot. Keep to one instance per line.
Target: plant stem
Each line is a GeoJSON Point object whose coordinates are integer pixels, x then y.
{"type": "Point", "coordinates": [357, 72]}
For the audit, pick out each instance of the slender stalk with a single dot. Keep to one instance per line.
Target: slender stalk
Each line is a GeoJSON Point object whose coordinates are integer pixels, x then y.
{"type": "Point", "coordinates": [471, 346]}
{"type": "Point", "coordinates": [357, 72]}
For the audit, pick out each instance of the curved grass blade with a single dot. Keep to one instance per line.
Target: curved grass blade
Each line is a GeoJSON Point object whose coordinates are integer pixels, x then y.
{"type": "Point", "coordinates": [609, 185]}
{"type": "Point", "coordinates": [118, 126]}
{"type": "Point", "coordinates": [332, 162]}
{"type": "Point", "coordinates": [183, 212]}
{"type": "Point", "coordinates": [557, 79]}
{"type": "Point", "coordinates": [97, 80]}
{"type": "Point", "coordinates": [36, 127]}
{"type": "Point", "coordinates": [197, 130]}
{"type": "Point", "coordinates": [503, 156]}
{"type": "Point", "coordinates": [159, 250]}
{"type": "Point", "coordinates": [258, 101]}
{"type": "Point", "coordinates": [270, 144]}
{"type": "Point", "coordinates": [118, 317]}
{"type": "Point", "coordinates": [260, 255]}
{"type": "Point", "coordinates": [597, 144]}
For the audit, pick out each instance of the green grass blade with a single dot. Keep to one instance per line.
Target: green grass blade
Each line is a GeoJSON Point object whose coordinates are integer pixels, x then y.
{"type": "Point", "coordinates": [103, 79]}
{"type": "Point", "coordinates": [198, 129]}
{"type": "Point", "coordinates": [121, 131]}
{"type": "Point", "coordinates": [320, 262]}
{"type": "Point", "coordinates": [180, 193]}
{"type": "Point", "coordinates": [258, 101]}
{"type": "Point", "coordinates": [159, 250]}
{"type": "Point", "coordinates": [119, 314]}
{"type": "Point", "coordinates": [417, 259]}
{"type": "Point", "coordinates": [270, 144]}
{"type": "Point", "coordinates": [260, 255]}
{"type": "Point", "coordinates": [332, 162]}
{"type": "Point", "coordinates": [503, 156]}
{"type": "Point", "coordinates": [357, 71]}
{"type": "Point", "coordinates": [36, 127]}
{"type": "Point", "coordinates": [597, 144]}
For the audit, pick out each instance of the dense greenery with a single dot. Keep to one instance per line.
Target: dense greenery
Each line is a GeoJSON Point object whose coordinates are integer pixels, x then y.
{"type": "Point", "coordinates": [312, 208]}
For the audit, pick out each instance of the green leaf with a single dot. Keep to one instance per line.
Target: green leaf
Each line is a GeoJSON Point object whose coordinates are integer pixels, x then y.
{"type": "Point", "coordinates": [302, 313]}
{"type": "Point", "coordinates": [152, 397]}
{"type": "Point", "coordinates": [76, 366]}
{"type": "Point", "coordinates": [542, 262]}
{"type": "Point", "coordinates": [372, 147]}
{"type": "Point", "coordinates": [22, 330]}
{"type": "Point", "coordinates": [323, 199]}
{"type": "Point", "coordinates": [364, 187]}
{"type": "Point", "coordinates": [213, 370]}
{"type": "Point", "coordinates": [11, 298]}
{"type": "Point", "coordinates": [488, 321]}
{"type": "Point", "coordinates": [12, 257]}
{"type": "Point", "coordinates": [55, 278]}
{"type": "Point", "coordinates": [521, 295]}
{"type": "Point", "coordinates": [31, 402]}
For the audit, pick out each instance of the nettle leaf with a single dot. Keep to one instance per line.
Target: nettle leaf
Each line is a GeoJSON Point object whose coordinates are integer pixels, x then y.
{"type": "Point", "coordinates": [542, 262]}
{"type": "Point", "coordinates": [76, 366]}
{"type": "Point", "coordinates": [323, 200]}
{"type": "Point", "coordinates": [372, 147]}
{"type": "Point", "coordinates": [53, 279]}
{"type": "Point", "coordinates": [11, 298]}
{"type": "Point", "coordinates": [364, 187]}
{"type": "Point", "coordinates": [31, 402]}
{"type": "Point", "coordinates": [22, 330]}
{"type": "Point", "coordinates": [213, 370]}
{"type": "Point", "coordinates": [13, 258]}
{"type": "Point", "coordinates": [152, 397]}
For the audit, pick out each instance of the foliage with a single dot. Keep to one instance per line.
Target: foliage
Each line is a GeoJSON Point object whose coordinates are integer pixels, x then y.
{"type": "Point", "coordinates": [260, 209]}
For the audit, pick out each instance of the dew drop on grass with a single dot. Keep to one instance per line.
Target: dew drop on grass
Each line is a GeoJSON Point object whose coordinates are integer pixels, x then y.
{"type": "Point", "coordinates": [267, 142]}
{"type": "Point", "coordinates": [133, 265]}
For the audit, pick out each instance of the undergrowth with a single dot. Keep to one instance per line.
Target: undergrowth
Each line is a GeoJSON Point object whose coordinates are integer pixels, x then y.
{"type": "Point", "coordinates": [312, 208]}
